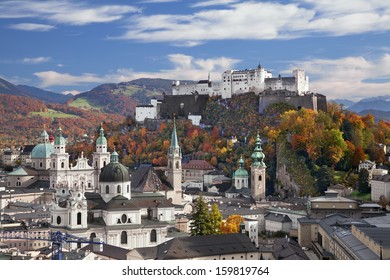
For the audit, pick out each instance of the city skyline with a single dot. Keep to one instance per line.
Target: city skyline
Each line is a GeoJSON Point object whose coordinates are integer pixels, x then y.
{"type": "Point", "coordinates": [73, 46]}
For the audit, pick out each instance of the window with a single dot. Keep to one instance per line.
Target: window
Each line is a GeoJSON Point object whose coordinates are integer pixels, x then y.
{"type": "Point", "coordinates": [153, 235]}
{"type": "Point", "coordinates": [58, 220]}
{"type": "Point", "coordinates": [40, 164]}
{"type": "Point", "coordinates": [54, 165]}
{"type": "Point", "coordinates": [104, 163]}
{"type": "Point", "coordinates": [118, 189]}
{"type": "Point", "coordinates": [79, 218]}
{"type": "Point", "coordinates": [128, 188]}
{"type": "Point", "coordinates": [124, 237]}
{"type": "Point", "coordinates": [62, 165]}
{"type": "Point", "coordinates": [124, 218]}
{"type": "Point", "coordinates": [177, 165]}
{"type": "Point", "coordinates": [107, 189]}
{"type": "Point", "coordinates": [260, 177]}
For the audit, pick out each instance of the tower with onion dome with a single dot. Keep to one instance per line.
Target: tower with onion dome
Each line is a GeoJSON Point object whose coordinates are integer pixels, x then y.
{"type": "Point", "coordinates": [100, 157]}
{"type": "Point", "coordinates": [258, 169]}
{"type": "Point", "coordinates": [40, 155]}
{"type": "Point", "coordinates": [240, 176]}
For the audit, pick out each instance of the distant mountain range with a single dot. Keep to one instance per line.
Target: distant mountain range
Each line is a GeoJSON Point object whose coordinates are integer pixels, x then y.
{"type": "Point", "coordinates": [32, 92]}
{"type": "Point", "coordinates": [378, 106]}
{"type": "Point", "coordinates": [44, 95]}
{"type": "Point", "coordinates": [122, 98]}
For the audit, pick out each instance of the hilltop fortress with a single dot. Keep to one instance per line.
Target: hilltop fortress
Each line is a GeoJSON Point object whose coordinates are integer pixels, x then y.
{"type": "Point", "coordinates": [293, 90]}
{"type": "Point", "coordinates": [188, 100]}
{"type": "Point", "coordinates": [249, 80]}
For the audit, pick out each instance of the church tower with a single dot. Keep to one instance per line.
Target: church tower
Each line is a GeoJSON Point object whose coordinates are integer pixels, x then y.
{"type": "Point", "coordinates": [100, 157]}
{"type": "Point", "coordinates": [59, 161]}
{"type": "Point", "coordinates": [240, 176]}
{"type": "Point", "coordinates": [174, 172]}
{"type": "Point", "coordinates": [258, 172]}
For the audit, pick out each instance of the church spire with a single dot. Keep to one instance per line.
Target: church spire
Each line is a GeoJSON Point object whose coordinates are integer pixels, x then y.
{"type": "Point", "coordinates": [174, 147]}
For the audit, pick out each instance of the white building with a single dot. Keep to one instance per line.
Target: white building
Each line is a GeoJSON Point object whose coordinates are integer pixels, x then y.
{"type": "Point", "coordinates": [242, 81]}
{"type": "Point", "coordinates": [149, 111]}
{"type": "Point", "coordinates": [380, 185]}
{"type": "Point", "coordinates": [195, 119]}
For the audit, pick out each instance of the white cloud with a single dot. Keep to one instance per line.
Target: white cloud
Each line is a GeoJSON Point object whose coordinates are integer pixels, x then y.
{"type": "Point", "coordinates": [32, 27]}
{"type": "Point", "coordinates": [348, 77]}
{"type": "Point", "coordinates": [72, 92]}
{"type": "Point", "coordinates": [214, 3]}
{"type": "Point", "coordinates": [252, 20]}
{"type": "Point", "coordinates": [53, 78]}
{"type": "Point", "coordinates": [159, 1]}
{"type": "Point", "coordinates": [184, 67]}
{"type": "Point", "coordinates": [35, 60]}
{"type": "Point", "coordinates": [64, 11]}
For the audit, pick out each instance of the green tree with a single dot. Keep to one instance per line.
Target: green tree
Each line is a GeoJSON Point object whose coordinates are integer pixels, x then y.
{"type": "Point", "coordinates": [201, 223]}
{"type": "Point", "coordinates": [363, 185]}
{"type": "Point", "coordinates": [325, 178]}
{"type": "Point", "coordinates": [215, 219]}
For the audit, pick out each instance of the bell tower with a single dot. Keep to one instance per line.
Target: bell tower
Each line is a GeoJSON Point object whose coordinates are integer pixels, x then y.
{"type": "Point", "coordinates": [174, 172]}
{"type": "Point", "coordinates": [258, 168]}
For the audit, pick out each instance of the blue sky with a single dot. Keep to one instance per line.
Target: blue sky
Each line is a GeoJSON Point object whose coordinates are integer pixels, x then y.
{"type": "Point", "coordinates": [73, 46]}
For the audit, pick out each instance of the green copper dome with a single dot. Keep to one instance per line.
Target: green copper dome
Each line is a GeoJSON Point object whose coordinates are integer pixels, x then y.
{"type": "Point", "coordinates": [114, 171]}
{"type": "Point", "coordinates": [241, 171]}
{"type": "Point", "coordinates": [258, 155]}
{"type": "Point", "coordinates": [101, 140]}
{"type": "Point", "coordinates": [43, 150]}
{"type": "Point", "coordinates": [59, 140]}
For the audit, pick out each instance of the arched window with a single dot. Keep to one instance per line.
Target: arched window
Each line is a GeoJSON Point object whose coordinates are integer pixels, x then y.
{"type": "Point", "coordinates": [104, 163]}
{"type": "Point", "coordinates": [40, 164]}
{"type": "Point", "coordinates": [118, 189]}
{"type": "Point", "coordinates": [62, 165]}
{"type": "Point", "coordinates": [260, 177]}
{"type": "Point", "coordinates": [92, 235]}
{"type": "Point", "coordinates": [177, 165]}
{"type": "Point", "coordinates": [79, 218]}
{"type": "Point", "coordinates": [153, 235]}
{"type": "Point", "coordinates": [124, 237]}
{"type": "Point", "coordinates": [107, 189]}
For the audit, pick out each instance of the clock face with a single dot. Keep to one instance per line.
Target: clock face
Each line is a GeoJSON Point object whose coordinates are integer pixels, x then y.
{"type": "Point", "coordinates": [78, 206]}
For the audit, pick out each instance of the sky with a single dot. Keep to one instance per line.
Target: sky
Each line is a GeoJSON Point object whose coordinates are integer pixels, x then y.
{"type": "Point", "coordinates": [71, 46]}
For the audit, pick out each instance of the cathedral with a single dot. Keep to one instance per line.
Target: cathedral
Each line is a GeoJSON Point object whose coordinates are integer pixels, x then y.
{"type": "Point", "coordinates": [97, 201]}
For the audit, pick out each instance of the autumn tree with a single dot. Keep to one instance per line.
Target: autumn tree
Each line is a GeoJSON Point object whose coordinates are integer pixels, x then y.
{"type": "Point", "coordinates": [215, 219]}
{"type": "Point", "coordinates": [201, 221]}
{"type": "Point", "coordinates": [232, 224]}
{"type": "Point", "coordinates": [383, 201]}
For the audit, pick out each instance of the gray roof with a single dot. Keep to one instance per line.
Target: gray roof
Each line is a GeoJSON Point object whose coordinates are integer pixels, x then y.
{"type": "Point", "coordinates": [378, 235]}
{"type": "Point", "coordinates": [109, 251]}
{"type": "Point", "coordinates": [120, 203]}
{"type": "Point", "coordinates": [382, 178]}
{"type": "Point", "coordinates": [277, 218]}
{"type": "Point", "coordinates": [199, 246]}
{"type": "Point", "coordinates": [288, 249]}
{"type": "Point", "coordinates": [145, 179]}
{"type": "Point", "coordinates": [361, 251]}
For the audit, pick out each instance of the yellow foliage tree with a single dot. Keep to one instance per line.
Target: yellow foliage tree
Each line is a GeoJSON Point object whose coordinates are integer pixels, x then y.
{"type": "Point", "coordinates": [232, 224]}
